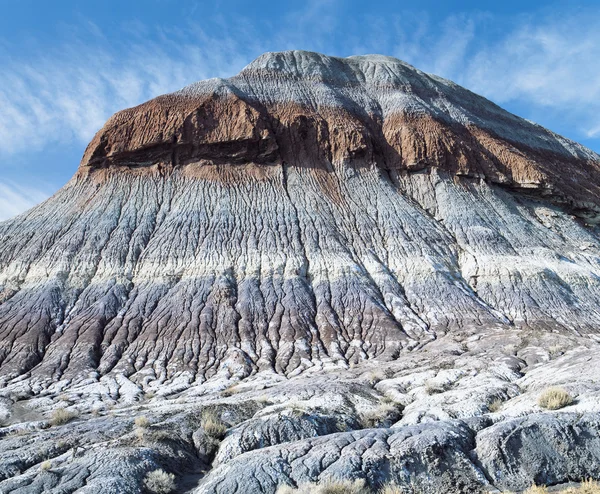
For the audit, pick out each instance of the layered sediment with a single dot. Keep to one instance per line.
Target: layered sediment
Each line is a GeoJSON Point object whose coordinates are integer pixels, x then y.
{"type": "Point", "coordinates": [310, 214]}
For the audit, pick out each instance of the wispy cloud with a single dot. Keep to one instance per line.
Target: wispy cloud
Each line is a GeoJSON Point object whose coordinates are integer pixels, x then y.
{"type": "Point", "coordinates": [16, 198]}
{"type": "Point", "coordinates": [552, 63]}
{"type": "Point", "coordinates": [545, 64]}
{"type": "Point", "coordinates": [68, 93]}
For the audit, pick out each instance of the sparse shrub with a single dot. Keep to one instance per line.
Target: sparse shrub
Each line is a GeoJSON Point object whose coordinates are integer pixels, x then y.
{"type": "Point", "coordinates": [263, 399]}
{"type": "Point", "coordinates": [555, 351]}
{"type": "Point", "coordinates": [158, 435]}
{"type": "Point", "coordinates": [554, 398]}
{"type": "Point", "coordinates": [344, 487]}
{"type": "Point", "coordinates": [536, 489]}
{"type": "Point", "coordinates": [383, 415]}
{"type": "Point", "coordinates": [327, 487]}
{"type": "Point", "coordinates": [297, 409]}
{"type": "Point", "coordinates": [159, 482]}
{"type": "Point", "coordinates": [391, 489]}
{"type": "Point", "coordinates": [141, 422]}
{"type": "Point", "coordinates": [495, 405]}
{"type": "Point", "coordinates": [389, 373]}
{"type": "Point", "coordinates": [45, 465]}
{"type": "Point", "coordinates": [432, 388]}
{"type": "Point", "coordinates": [373, 378]}
{"type": "Point", "coordinates": [288, 489]}
{"type": "Point", "coordinates": [587, 487]}
{"type": "Point", "coordinates": [140, 434]}
{"type": "Point", "coordinates": [387, 400]}
{"type": "Point", "coordinates": [446, 364]}
{"type": "Point", "coordinates": [212, 424]}
{"type": "Point", "coordinates": [61, 416]}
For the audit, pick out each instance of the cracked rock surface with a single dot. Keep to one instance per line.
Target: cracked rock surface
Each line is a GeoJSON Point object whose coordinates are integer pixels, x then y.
{"type": "Point", "coordinates": [354, 268]}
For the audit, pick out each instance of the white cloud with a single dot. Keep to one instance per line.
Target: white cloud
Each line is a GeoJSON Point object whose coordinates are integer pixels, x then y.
{"type": "Point", "coordinates": [548, 64]}
{"type": "Point", "coordinates": [552, 64]}
{"type": "Point", "coordinates": [68, 94]}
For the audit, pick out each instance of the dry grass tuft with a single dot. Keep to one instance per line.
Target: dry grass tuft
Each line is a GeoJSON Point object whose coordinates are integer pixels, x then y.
{"type": "Point", "coordinates": [587, 487]}
{"type": "Point", "coordinates": [141, 422]}
{"type": "Point", "coordinates": [159, 482]}
{"type": "Point", "coordinates": [45, 465]}
{"type": "Point", "coordinates": [495, 405]}
{"type": "Point", "coordinates": [554, 398]}
{"type": "Point", "coordinates": [373, 378]}
{"type": "Point", "coordinates": [61, 416]}
{"type": "Point", "coordinates": [377, 417]}
{"type": "Point", "coordinates": [536, 489]}
{"type": "Point", "coordinates": [212, 424]}
{"type": "Point", "coordinates": [432, 388]}
{"type": "Point", "coordinates": [328, 487]}
{"type": "Point", "coordinates": [392, 489]}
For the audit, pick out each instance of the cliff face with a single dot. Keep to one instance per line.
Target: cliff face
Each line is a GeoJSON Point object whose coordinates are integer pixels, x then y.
{"type": "Point", "coordinates": [310, 211]}
{"type": "Point", "coordinates": [312, 111]}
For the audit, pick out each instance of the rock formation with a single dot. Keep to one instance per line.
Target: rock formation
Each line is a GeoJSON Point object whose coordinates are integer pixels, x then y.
{"type": "Point", "coordinates": [327, 233]}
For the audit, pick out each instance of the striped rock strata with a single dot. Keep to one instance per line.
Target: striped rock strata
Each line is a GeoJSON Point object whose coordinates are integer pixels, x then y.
{"type": "Point", "coordinates": [308, 211]}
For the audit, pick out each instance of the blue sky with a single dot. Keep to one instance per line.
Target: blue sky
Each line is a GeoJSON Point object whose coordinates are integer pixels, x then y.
{"type": "Point", "coordinates": [66, 65]}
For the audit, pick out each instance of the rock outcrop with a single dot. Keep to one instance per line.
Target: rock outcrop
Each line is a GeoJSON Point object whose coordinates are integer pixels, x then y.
{"type": "Point", "coordinates": [292, 229]}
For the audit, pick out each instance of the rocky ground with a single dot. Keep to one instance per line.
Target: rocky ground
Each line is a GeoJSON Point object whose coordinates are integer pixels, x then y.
{"type": "Point", "coordinates": [459, 415]}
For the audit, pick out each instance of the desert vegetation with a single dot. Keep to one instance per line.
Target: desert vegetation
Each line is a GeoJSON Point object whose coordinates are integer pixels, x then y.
{"type": "Point", "coordinates": [586, 487]}
{"type": "Point", "coordinates": [142, 422]}
{"type": "Point", "coordinates": [328, 487]}
{"type": "Point", "coordinates": [495, 405]}
{"type": "Point", "coordinates": [159, 482]}
{"type": "Point", "coordinates": [554, 398]}
{"type": "Point", "coordinates": [384, 415]}
{"type": "Point", "coordinates": [345, 487]}
{"type": "Point", "coordinates": [212, 424]}
{"type": "Point", "coordinates": [61, 416]}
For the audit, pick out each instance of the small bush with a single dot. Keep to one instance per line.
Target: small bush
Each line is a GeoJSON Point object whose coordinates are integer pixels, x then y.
{"type": "Point", "coordinates": [391, 489]}
{"type": "Point", "coordinates": [159, 482]}
{"type": "Point", "coordinates": [383, 415]}
{"type": "Point", "coordinates": [587, 487]}
{"type": "Point", "coordinates": [61, 416]}
{"type": "Point", "coordinates": [142, 422]}
{"type": "Point", "coordinates": [435, 388]}
{"type": "Point", "coordinates": [373, 378]}
{"type": "Point", "coordinates": [387, 400]}
{"type": "Point", "coordinates": [554, 398]}
{"type": "Point", "coordinates": [343, 487]}
{"type": "Point", "coordinates": [327, 487]}
{"type": "Point", "coordinates": [45, 465]}
{"type": "Point", "coordinates": [212, 424]}
{"type": "Point", "coordinates": [536, 489]}
{"type": "Point", "coordinates": [495, 405]}
{"type": "Point", "coordinates": [159, 435]}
